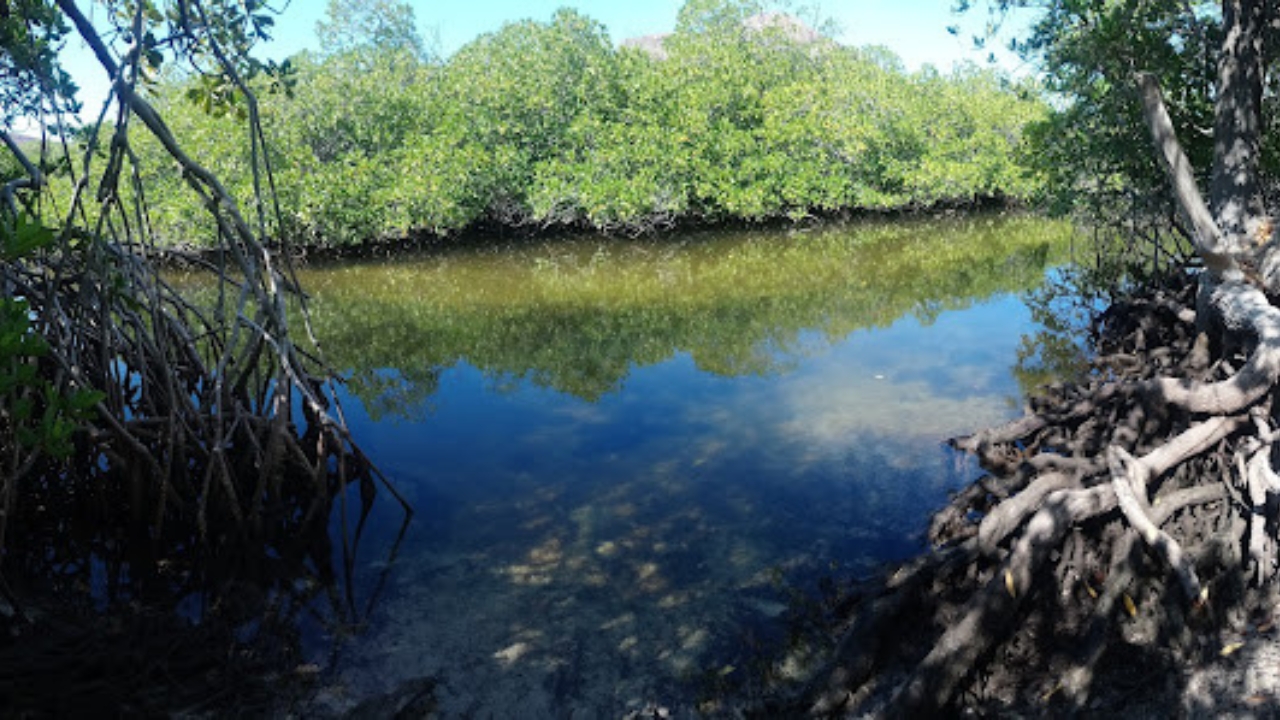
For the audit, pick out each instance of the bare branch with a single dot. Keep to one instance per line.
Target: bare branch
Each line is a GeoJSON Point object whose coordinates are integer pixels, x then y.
{"type": "Point", "coordinates": [34, 178]}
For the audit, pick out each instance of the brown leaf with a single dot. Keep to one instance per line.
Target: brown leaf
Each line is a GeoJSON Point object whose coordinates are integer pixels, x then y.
{"type": "Point", "coordinates": [1230, 648]}
{"type": "Point", "coordinates": [1129, 607]}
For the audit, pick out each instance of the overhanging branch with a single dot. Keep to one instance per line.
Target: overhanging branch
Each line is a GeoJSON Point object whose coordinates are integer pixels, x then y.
{"type": "Point", "coordinates": [1205, 234]}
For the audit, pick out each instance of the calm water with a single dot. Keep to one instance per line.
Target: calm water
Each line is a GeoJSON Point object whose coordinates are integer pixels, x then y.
{"type": "Point", "coordinates": [625, 456]}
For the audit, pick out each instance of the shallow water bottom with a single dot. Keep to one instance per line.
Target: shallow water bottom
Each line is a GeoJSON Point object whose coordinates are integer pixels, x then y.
{"type": "Point", "coordinates": [633, 464]}
{"type": "Point", "coordinates": [571, 559]}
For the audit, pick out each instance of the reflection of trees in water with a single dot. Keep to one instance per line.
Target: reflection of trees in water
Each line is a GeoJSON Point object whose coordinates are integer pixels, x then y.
{"type": "Point", "coordinates": [578, 318]}
{"type": "Point", "coordinates": [1064, 307]}
{"type": "Point", "coordinates": [397, 392]}
{"type": "Point", "coordinates": [1067, 304]}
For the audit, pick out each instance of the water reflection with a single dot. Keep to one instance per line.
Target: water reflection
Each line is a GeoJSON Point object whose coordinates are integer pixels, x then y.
{"type": "Point", "coordinates": [578, 315]}
{"type": "Point", "coordinates": [623, 455]}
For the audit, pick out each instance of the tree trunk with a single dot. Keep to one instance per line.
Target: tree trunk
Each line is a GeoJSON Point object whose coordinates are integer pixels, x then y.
{"type": "Point", "coordinates": [1235, 195]}
{"type": "Point", "coordinates": [1207, 238]}
{"type": "Point", "coordinates": [1232, 233]}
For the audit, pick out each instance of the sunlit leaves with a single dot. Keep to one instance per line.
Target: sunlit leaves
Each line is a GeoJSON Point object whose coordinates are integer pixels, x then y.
{"type": "Point", "coordinates": [1094, 151]}
{"type": "Point", "coordinates": [32, 81]}
{"type": "Point", "coordinates": [544, 122]}
{"type": "Point", "coordinates": [522, 88]}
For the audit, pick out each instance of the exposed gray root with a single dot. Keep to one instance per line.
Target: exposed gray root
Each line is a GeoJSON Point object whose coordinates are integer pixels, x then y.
{"type": "Point", "coordinates": [1128, 479]}
{"type": "Point", "coordinates": [992, 612]}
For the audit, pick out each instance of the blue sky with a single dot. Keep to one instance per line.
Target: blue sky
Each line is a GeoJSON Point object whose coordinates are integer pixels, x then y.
{"type": "Point", "coordinates": [915, 29]}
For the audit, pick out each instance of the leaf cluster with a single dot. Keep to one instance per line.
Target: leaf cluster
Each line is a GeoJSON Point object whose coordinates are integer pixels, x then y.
{"type": "Point", "coordinates": [1094, 150]}
{"type": "Point", "coordinates": [32, 83]}
{"type": "Point", "coordinates": [36, 416]}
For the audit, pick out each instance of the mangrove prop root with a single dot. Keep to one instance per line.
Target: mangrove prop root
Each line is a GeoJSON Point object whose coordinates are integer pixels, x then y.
{"type": "Point", "coordinates": [861, 643]}
{"type": "Point", "coordinates": [1117, 500]}
{"type": "Point", "coordinates": [207, 452]}
{"type": "Point", "coordinates": [195, 432]}
{"type": "Point", "coordinates": [993, 609]}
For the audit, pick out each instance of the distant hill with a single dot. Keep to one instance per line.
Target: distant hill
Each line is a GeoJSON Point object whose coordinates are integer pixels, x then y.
{"type": "Point", "coordinates": [652, 45]}
{"type": "Point", "coordinates": [22, 137]}
{"type": "Point", "coordinates": [792, 28]}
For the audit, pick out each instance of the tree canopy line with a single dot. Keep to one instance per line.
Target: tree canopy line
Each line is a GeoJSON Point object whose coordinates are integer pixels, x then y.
{"type": "Point", "coordinates": [207, 443]}
{"type": "Point", "coordinates": [740, 114]}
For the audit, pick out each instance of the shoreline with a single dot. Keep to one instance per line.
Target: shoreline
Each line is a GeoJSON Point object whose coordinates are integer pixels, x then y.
{"type": "Point", "coordinates": [491, 233]}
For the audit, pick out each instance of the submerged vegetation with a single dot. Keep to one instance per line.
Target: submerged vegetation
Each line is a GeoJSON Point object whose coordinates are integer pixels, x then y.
{"type": "Point", "coordinates": [738, 115]}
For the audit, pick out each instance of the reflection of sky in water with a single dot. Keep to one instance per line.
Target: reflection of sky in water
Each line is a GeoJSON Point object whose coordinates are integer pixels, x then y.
{"type": "Point", "coordinates": [600, 556]}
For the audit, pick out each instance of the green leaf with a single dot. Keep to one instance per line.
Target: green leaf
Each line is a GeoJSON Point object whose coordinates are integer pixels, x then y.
{"type": "Point", "coordinates": [83, 400]}
{"type": "Point", "coordinates": [27, 437]}
{"type": "Point", "coordinates": [24, 237]}
{"type": "Point", "coordinates": [22, 410]}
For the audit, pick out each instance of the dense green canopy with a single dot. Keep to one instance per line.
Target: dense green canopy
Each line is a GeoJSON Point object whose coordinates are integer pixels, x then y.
{"type": "Point", "coordinates": [549, 124]}
{"type": "Point", "coordinates": [1094, 151]}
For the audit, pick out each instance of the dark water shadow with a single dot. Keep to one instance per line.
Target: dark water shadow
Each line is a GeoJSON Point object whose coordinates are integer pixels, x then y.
{"type": "Point", "coordinates": [107, 615]}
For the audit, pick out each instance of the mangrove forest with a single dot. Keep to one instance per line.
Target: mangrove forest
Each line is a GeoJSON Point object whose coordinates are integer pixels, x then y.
{"type": "Point", "coordinates": [736, 371]}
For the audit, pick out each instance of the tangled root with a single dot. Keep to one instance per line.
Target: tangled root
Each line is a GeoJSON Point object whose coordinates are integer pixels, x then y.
{"type": "Point", "coordinates": [1124, 521]}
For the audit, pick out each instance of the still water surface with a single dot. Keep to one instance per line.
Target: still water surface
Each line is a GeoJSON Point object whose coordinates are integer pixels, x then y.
{"type": "Point", "coordinates": [625, 456]}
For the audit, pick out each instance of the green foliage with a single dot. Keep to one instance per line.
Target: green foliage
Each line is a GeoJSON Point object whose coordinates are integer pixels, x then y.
{"type": "Point", "coordinates": [357, 25]}
{"type": "Point", "coordinates": [974, 145]}
{"type": "Point", "coordinates": [23, 236]}
{"type": "Point", "coordinates": [1094, 152]}
{"type": "Point", "coordinates": [31, 80]}
{"type": "Point", "coordinates": [716, 18]}
{"type": "Point", "coordinates": [340, 144]}
{"type": "Point", "coordinates": [34, 415]}
{"type": "Point", "coordinates": [10, 168]}
{"type": "Point", "coordinates": [518, 93]}
{"type": "Point", "coordinates": [749, 116]}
